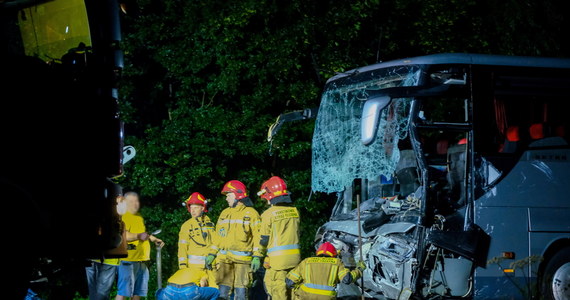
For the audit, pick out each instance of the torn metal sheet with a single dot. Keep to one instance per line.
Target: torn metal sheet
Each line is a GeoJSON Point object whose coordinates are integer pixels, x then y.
{"type": "Point", "coordinates": [401, 227]}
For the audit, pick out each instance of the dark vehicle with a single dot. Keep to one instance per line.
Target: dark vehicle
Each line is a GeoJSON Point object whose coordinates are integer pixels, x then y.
{"type": "Point", "coordinates": [62, 138]}
{"type": "Point", "coordinates": [462, 163]}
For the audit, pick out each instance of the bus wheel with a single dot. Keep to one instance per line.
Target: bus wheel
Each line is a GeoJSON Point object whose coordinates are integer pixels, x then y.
{"type": "Point", "coordinates": [556, 278]}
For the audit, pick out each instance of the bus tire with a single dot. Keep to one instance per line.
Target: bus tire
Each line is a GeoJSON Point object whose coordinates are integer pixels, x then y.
{"type": "Point", "coordinates": [556, 276]}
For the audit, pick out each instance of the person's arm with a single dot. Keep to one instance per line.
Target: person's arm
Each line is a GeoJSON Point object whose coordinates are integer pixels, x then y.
{"type": "Point", "coordinates": [258, 249]}
{"type": "Point", "coordinates": [216, 238]}
{"type": "Point", "coordinates": [216, 241]}
{"type": "Point", "coordinates": [156, 241]}
{"type": "Point", "coordinates": [264, 232]}
{"type": "Point", "coordinates": [204, 281]}
{"type": "Point", "coordinates": [347, 276]}
{"type": "Point", "coordinates": [295, 276]}
{"type": "Point", "coordinates": [143, 236]}
{"type": "Point", "coordinates": [131, 237]}
{"type": "Point", "coordinates": [183, 245]}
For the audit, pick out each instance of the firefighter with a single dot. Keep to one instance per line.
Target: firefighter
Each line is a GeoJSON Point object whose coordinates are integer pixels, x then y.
{"type": "Point", "coordinates": [316, 277]}
{"type": "Point", "coordinates": [279, 233]}
{"type": "Point", "coordinates": [236, 243]}
{"type": "Point", "coordinates": [187, 284]}
{"type": "Point", "coordinates": [195, 238]}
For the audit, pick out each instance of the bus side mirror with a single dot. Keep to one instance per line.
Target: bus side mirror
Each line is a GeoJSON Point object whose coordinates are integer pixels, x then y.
{"type": "Point", "coordinates": [371, 116]}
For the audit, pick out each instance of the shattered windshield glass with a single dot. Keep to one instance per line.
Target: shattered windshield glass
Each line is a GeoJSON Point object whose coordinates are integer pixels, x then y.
{"type": "Point", "coordinates": [339, 156]}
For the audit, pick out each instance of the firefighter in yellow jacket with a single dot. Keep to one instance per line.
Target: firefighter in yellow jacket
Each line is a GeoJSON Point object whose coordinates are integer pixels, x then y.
{"type": "Point", "coordinates": [236, 243]}
{"type": "Point", "coordinates": [316, 277]}
{"type": "Point", "coordinates": [195, 237]}
{"type": "Point", "coordinates": [279, 237]}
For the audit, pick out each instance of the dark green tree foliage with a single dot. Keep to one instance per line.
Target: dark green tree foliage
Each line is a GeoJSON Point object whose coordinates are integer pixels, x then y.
{"type": "Point", "coordinates": [203, 80]}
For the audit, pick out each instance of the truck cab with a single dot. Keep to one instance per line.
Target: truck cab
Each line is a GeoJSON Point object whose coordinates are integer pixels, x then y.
{"type": "Point", "coordinates": [62, 137]}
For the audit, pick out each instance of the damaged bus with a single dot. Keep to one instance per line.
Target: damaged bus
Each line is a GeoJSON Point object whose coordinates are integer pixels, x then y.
{"type": "Point", "coordinates": [453, 176]}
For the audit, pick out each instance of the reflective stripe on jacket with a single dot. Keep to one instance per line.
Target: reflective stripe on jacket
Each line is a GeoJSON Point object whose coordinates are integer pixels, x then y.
{"type": "Point", "coordinates": [320, 275]}
{"type": "Point", "coordinates": [237, 233]}
{"type": "Point", "coordinates": [281, 225]}
{"type": "Point", "coordinates": [194, 241]}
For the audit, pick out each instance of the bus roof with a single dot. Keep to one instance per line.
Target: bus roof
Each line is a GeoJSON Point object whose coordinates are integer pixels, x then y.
{"type": "Point", "coordinates": [466, 59]}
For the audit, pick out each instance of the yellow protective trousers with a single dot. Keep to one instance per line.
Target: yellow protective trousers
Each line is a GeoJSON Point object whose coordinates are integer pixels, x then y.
{"type": "Point", "coordinates": [275, 284]}
{"type": "Point", "coordinates": [234, 274]}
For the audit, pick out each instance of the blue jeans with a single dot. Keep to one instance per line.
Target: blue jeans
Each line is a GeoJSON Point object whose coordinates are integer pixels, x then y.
{"type": "Point", "coordinates": [32, 296]}
{"type": "Point", "coordinates": [133, 279]}
{"type": "Point", "coordinates": [187, 293]}
{"type": "Point", "coordinates": [100, 279]}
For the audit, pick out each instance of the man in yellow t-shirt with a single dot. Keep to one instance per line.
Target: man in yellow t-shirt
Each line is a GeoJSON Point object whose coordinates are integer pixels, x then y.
{"type": "Point", "coordinates": [133, 273]}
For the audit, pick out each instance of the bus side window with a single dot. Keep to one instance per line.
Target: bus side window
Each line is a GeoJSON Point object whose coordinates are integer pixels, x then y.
{"type": "Point", "coordinates": [544, 130]}
{"type": "Point", "coordinates": [511, 141]}
{"type": "Point", "coordinates": [560, 131]}
{"type": "Point", "coordinates": [544, 135]}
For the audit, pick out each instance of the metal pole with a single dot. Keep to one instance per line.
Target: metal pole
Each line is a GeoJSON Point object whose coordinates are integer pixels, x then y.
{"type": "Point", "coordinates": [360, 243]}
{"type": "Point", "coordinates": [159, 266]}
{"type": "Point", "coordinates": [158, 260]}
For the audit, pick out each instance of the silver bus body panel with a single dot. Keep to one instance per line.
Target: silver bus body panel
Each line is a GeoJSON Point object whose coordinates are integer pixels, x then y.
{"type": "Point", "coordinates": [527, 211]}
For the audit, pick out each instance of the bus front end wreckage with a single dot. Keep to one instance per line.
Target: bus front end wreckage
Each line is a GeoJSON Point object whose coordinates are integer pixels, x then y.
{"type": "Point", "coordinates": [390, 241]}
{"type": "Point", "coordinates": [454, 204]}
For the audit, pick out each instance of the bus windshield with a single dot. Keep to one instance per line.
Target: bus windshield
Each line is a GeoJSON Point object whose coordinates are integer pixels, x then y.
{"type": "Point", "coordinates": [339, 154]}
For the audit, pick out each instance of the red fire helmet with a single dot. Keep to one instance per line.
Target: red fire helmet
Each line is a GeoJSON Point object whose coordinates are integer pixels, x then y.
{"type": "Point", "coordinates": [272, 188]}
{"type": "Point", "coordinates": [236, 187]}
{"type": "Point", "coordinates": [198, 199]}
{"type": "Point", "coordinates": [327, 249]}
